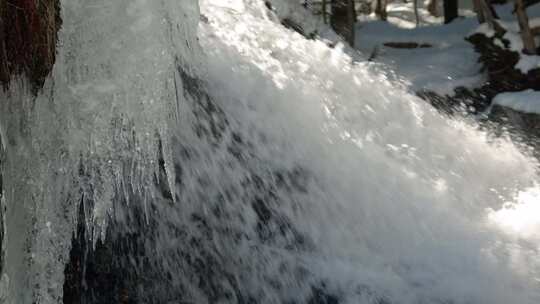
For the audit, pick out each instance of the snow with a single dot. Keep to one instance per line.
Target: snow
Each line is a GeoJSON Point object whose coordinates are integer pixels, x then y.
{"type": "Point", "coordinates": [402, 15]}
{"type": "Point", "coordinates": [450, 62]}
{"type": "Point", "coordinates": [527, 63]}
{"type": "Point", "coordinates": [515, 42]}
{"type": "Point", "coordinates": [508, 21]}
{"type": "Point", "coordinates": [484, 29]}
{"type": "Point", "coordinates": [506, 13]}
{"type": "Point", "coordinates": [527, 101]}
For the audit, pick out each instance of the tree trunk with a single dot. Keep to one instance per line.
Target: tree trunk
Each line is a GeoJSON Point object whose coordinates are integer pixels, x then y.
{"type": "Point", "coordinates": [526, 33]}
{"type": "Point", "coordinates": [433, 8]}
{"type": "Point", "coordinates": [380, 9]}
{"type": "Point", "coordinates": [485, 12]}
{"type": "Point", "coordinates": [324, 13]}
{"type": "Point", "coordinates": [417, 17]}
{"type": "Point", "coordinates": [479, 11]}
{"type": "Point", "coordinates": [343, 19]}
{"type": "Point", "coordinates": [450, 10]}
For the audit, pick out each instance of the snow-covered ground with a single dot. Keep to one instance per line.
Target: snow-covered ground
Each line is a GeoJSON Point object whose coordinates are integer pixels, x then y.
{"type": "Point", "coordinates": [527, 101]}
{"type": "Point", "coordinates": [512, 35]}
{"type": "Point", "coordinates": [509, 22]}
{"type": "Point", "coordinates": [448, 63]}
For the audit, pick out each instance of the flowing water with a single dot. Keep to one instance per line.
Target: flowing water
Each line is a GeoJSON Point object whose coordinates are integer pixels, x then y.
{"type": "Point", "coordinates": [232, 160]}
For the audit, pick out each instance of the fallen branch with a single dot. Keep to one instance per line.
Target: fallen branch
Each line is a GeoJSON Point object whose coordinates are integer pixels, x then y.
{"type": "Point", "coordinates": [406, 45]}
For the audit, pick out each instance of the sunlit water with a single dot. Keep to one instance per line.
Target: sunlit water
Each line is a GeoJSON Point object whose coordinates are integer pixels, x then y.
{"type": "Point", "coordinates": [409, 197]}
{"type": "Point", "coordinates": [285, 171]}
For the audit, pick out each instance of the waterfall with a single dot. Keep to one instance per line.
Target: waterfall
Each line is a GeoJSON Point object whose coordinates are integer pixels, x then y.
{"type": "Point", "coordinates": [231, 160]}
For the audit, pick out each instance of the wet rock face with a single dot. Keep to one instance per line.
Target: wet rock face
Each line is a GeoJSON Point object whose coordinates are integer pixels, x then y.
{"type": "Point", "coordinates": [522, 127]}
{"type": "Point", "coordinates": [499, 64]}
{"type": "Point", "coordinates": [28, 36]}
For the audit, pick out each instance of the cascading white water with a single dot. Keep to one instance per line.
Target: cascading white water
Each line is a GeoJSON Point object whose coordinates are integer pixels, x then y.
{"type": "Point", "coordinates": [406, 201]}
{"type": "Point", "coordinates": [286, 174]}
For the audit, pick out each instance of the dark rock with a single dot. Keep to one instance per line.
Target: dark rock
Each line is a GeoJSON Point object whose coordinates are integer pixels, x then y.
{"type": "Point", "coordinates": [522, 127]}
{"type": "Point", "coordinates": [499, 64]}
{"type": "Point", "coordinates": [290, 24]}
{"type": "Point", "coordinates": [28, 37]}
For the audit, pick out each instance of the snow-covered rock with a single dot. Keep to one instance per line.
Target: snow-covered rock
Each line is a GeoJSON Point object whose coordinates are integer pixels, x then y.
{"type": "Point", "coordinates": [527, 101]}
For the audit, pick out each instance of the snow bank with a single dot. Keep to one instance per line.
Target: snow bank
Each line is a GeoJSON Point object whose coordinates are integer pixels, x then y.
{"type": "Point", "coordinates": [484, 29]}
{"type": "Point", "coordinates": [527, 101]}
{"type": "Point", "coordinates": [450, 62]}
{"type": "Point", "coordinates": [512, 35]}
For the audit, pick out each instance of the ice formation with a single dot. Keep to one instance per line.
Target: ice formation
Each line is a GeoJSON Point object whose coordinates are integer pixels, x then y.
{"type": "Point", "coordinates": [114, 91]}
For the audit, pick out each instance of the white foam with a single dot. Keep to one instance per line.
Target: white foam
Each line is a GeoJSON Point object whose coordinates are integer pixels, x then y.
{"type": "Point", "coordinates": [402, 192]}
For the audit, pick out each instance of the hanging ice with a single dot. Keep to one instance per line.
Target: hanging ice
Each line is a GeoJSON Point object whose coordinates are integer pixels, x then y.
{"type": "Point", "coordinates": [113, 93]}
